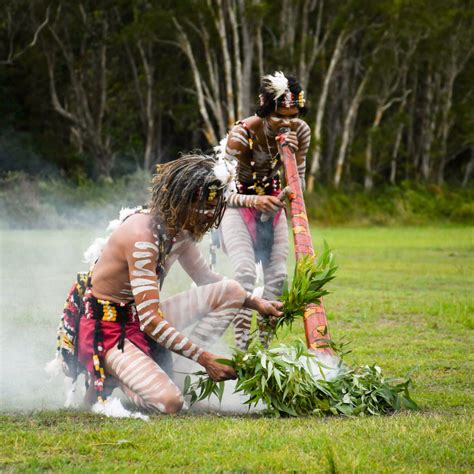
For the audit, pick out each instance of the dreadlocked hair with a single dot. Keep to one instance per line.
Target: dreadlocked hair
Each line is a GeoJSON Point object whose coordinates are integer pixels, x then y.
{"type": "Point", "coordinates": [181, 192]}
{"type": "Point", "coordinates": [267, 103]}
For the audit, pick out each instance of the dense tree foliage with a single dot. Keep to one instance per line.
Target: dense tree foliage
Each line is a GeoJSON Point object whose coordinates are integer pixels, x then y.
{"type": "Point", "coordinates": [95, 88]}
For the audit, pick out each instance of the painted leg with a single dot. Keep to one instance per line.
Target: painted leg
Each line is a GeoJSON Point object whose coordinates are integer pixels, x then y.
{"type": "Point", "coordinates": [274, 274]}
{"type": "Point", "coordinates": [142, 379]}
{"type": "Point", "coordinates": [215, 305]}
{"type": "Point", "coordinates": [240, 249]}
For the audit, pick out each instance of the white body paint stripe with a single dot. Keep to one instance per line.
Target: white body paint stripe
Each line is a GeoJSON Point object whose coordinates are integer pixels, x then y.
{"type": "Point", "coordinates": [146, 303]}
{"type": "Point", "coordinates": [141, 282]}
{"type": "Point", "coordinates": [180, 345]}
{"type": "Point", "coordinates": [142, 273]}
{"type": "Point", "coordinates": [147, 322]}
{"type": "Point", "coordinates": [140, 289]}
{"type": "Point", "coordinates": [170, 341]}
{"type": "Point", "coordinates": [165, 334]}
{"type": "Point", "coordinates": [141, 263]}
{"type": "Point", "coordinates": [195, 357]}
{"type": "Point", "coordinates": [142, 254]}
{"type": "Point", "coordinates": [240, 140]}
{"type": "Point", "coordinates": [141, 317]}
{"type": "Point", "coordinates": [146, 245]}
{"type": "Point", "coordinates": [159, 327]}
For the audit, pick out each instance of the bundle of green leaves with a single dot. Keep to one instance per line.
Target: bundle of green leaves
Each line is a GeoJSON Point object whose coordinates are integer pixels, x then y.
{"type": "Point", "coordinates": [291, 381]}
{"type": "Point", "coordinates": [310, 276]}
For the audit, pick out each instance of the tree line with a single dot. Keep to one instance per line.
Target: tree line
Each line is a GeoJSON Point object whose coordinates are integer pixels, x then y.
{"type": "Point", "coordinates": [105, 87]}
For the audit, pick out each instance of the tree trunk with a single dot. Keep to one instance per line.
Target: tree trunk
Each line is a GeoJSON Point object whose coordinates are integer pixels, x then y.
{"type": "Point", "coordinates": [468, 170]}
{"type": "Point", "coordinates": [455, 67]}
{"type": "Point", "coordinates": [315, 165]}
{"type": "Point", "coordinates": [348, 127]}
{"type": "Point", "coordinates": [368, 177]}
{"type": "Point", "coordinates": [393, 160]}
{"type": "Point", "coordinates": [150, 140]}
{"type": "Point", "coordinates": [185, 45]}
{"type": "Point", "coordinates": [412, 152]}
{"type": "Point", "coordinates": [248, 39]}
{"type": "Point", "coordinates": [237, 61]}
{"type": "Point", "coordinates": [429, 125]}
{"type": "Point", "coordinates": [261, 65]}
{"type": "Point", "coordinates": [222, 30]}
{"type": "Point", "coordinates": [86, 111]}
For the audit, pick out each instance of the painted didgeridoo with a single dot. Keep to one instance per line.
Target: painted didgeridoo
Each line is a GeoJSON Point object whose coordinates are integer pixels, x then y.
{"type": "Point", "coordinates": [315, 322]}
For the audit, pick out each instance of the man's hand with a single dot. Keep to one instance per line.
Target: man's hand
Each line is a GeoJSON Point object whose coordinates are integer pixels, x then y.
{"type": "Point", "coordinates": [268, 204]}
{"type": "Point", "coordinates": [215, 370]}
{"type": "Point", "coordinates": [268, 308]}
{"type": "Point", "coordinates": [271, 309]}
{"type": "Point", "coordinates": [291, 139]}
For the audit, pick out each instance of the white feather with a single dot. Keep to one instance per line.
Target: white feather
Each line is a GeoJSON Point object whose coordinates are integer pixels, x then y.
{"type": "Point", "coordinates": [225, 170]}
{"type": "Point", "coordinates": [221, 172]}
{"type": "Point", "coordinates": [127, 212]}
{"type": "Point", "coordinates": [276, 84]}
{"type": "Point", "coordinates": [113, 225]}
{"type": "Point", "coordinates": [219, 150]}
{"type": "Point", "coordinates": [94, 251]}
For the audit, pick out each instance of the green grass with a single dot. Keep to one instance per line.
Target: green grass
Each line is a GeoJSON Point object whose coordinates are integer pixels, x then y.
{"type": "Point", "coordinates": [402, 295]}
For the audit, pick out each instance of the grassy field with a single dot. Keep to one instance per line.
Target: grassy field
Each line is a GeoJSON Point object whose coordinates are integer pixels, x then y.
{"type": "Point", "coordinates": [403, 296]}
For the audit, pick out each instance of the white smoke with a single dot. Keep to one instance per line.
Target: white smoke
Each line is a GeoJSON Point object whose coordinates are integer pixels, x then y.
{"type": "Point", "coordinates": [37, 269]}
{"type": "Point", "coordinates": [113, 408]}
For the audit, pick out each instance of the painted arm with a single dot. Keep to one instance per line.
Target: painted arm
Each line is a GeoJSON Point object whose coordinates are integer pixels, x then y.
{"type": "Point", "coordinates": [193, 262]}
{"type": "Point", "coordinates": [303, 132]}
{"type": "Point", "coordinates": [196, 266]}
{"type": "Point", "coordinates": [142, 256]}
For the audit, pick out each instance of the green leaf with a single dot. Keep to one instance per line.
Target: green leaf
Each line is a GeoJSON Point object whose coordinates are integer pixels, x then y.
{"type": "Point", "coordinates": [187, 384]}
{"type": "Point", "coordinates": [228, 362]}
{"type": "Point", "coordinates": [284, 382]}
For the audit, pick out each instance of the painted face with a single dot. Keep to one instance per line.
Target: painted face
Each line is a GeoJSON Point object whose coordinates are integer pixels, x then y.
{"type": "Point", "coordinates": [202, 219]}
{"type": "Point", "coordinates": [283, 117]}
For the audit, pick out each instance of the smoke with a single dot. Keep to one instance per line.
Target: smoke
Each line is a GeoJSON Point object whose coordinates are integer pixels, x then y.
{"type": "Point", "coordinates": [37, 270]}
{"type": "Point", "coordinates": [232, 403]}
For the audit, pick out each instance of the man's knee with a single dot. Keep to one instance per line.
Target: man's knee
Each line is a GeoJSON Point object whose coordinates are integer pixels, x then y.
{"type": "Point", "coordinates": [234, 291]}
{"type": "Point", "coordinates": [169, 401]}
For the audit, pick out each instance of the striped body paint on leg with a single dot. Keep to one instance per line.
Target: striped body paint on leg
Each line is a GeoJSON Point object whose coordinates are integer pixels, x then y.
{"type": "Point", "coordinates": [274, 273]}
{"type": "Point", "coordinates": [142, 380]}
{"type": "Point", "coordinates": [240, 249]}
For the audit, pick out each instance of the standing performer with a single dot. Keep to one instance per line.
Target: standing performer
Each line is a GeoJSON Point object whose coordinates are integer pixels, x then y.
{"type": "Point", "coordinates": [121, 316]}
{"type": "Point", "coordinates": [246, 238]}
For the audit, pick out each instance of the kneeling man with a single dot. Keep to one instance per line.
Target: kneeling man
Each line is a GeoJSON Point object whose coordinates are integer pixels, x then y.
{"type": "Point", "coordinates": [120, 316]}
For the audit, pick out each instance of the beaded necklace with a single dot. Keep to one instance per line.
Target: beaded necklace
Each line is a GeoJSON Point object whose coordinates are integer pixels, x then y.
{"type": "Point", "coordinates": [260, 186]}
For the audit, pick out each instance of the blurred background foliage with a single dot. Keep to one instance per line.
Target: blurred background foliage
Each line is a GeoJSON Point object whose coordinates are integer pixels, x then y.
{"type": "Point", "coordinates": [93, 94]}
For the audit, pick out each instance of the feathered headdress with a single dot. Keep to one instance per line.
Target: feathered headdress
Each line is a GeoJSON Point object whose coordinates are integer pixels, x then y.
{"type": "Point", "coordinates": [277, 86]}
